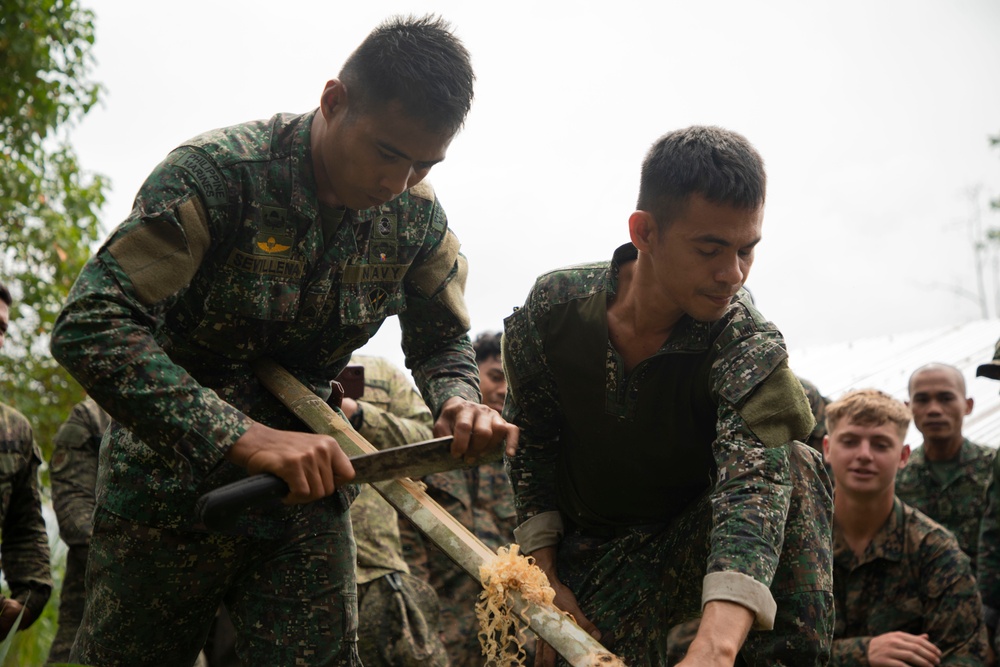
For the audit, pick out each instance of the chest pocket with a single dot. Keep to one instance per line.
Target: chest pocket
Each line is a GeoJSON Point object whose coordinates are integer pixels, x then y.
{"type": "Point", "coordinates": [241, 304]}
{"type": "Point", "coordinates": [369, 293]}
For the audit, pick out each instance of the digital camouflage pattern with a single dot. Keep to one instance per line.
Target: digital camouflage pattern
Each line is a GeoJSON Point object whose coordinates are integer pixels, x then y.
{"type": "Point", "coordinates": [988, 565]}
{"type": "Point", "coordinates": [482, 500]}
{"type": "Point", "coordinates": [227, 257]}
{"type": "Point", "coordinates": [762, 505]}
{"type": "Point", "coordinates": [642, 583]}
{"type": "Point", "coordinates": [73, 471]}
{"type": "Point", "coordinates": [914, 578]}
{"type": "Point", "coordinates": [954, 495]}
{"type": "Point", "coordinates": [24, 544]}
{"type": "Point", "coordinates": [398, 613]}
{"type": "Point", "coordinates": [297, 609]}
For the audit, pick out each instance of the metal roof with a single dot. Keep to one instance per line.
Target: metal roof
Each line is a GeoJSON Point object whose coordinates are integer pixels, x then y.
{"type": "Point", "coordinates": [886, 363]}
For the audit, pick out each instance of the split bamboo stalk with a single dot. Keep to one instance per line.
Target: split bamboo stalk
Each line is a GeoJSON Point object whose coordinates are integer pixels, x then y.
{"type": "Point", "coordinates": [577, 647]}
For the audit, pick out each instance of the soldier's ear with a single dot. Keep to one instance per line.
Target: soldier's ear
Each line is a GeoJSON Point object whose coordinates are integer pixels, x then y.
{"type": "Point", "coordinates": [333, 99]}
{"type": "Point", "coordinates": [642, 230]}
{"type": "Point", "coordinates": [904, 455]}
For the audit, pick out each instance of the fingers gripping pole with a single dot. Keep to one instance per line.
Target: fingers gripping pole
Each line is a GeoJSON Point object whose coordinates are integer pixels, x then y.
{"type": "Point", "coordinates": [554, 627]}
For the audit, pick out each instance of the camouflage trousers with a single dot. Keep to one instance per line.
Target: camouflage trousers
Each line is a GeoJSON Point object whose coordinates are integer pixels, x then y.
{"type": "Point", "coordinates": [398, 617]}
{"type": "Point", "coordinates": [152, 594]}
{"type": "Point", "coordinates": [71, 599]}
{"type": "Point", "coordinates": [638, 584]}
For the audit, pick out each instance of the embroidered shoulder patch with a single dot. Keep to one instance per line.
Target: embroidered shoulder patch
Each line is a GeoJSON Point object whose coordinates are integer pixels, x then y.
{"type": "Point", "coordinates": [206, 175]}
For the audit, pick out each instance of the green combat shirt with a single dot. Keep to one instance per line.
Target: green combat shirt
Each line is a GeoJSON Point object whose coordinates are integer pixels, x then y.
{"type": "Point", "coordinates": [24, 544]}
{"type": "Point", "coordinates": [73, 470]}
{"type": "Point", "coordinates": [393, 414]}
{"type": "Point", "coordinates": [227, 257]}
{"type": "Point", "coordinates": [958, 501]}
{"type": "Point", "coordinates": [605, 449]}
{"type": "Point", "coordinates": [988, 566]}
{"type": "Point", "coordinates": [914, 578]}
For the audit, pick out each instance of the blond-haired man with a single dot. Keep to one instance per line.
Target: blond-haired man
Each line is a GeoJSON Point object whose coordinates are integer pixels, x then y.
{"type": "Point", "coordinates": [903, 589]}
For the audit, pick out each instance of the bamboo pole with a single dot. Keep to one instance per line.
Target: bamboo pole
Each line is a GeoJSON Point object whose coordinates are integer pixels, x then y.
{"type": "Point", "coordinates": [557, 629]}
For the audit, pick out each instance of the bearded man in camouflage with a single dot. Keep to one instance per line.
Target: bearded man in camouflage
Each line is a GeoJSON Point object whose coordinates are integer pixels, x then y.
{"type": "Point", "coordinates": [657, 477]}
{"type": "Point", "coordinates": [291, 238]}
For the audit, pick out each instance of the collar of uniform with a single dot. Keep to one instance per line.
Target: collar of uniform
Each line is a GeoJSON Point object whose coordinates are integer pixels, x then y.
{"type": "Point", "coordinates": [966, 453]}
{"type": "Point", "coordinates": [304, 197]}
{"type": "Point", "coordinates": [887, 542]}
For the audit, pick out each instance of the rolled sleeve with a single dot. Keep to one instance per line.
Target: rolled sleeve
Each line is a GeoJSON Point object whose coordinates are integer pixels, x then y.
{"type": "Point", "coordinates": [540, 531]}
{"type": "Point", "coordinates": [743, 590]}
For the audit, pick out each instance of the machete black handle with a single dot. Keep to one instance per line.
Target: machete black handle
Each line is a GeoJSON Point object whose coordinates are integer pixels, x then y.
{"type": "Point", "coordinates": [220, 508]}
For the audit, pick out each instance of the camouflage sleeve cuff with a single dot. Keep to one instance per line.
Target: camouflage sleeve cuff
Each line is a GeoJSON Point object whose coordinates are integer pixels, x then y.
{"type": "Point", "coordinates": [34, 600]}
{"type": "Point", "coordinates": [540, 531]}
{"type": "Point", "coordinates": [743, 590]}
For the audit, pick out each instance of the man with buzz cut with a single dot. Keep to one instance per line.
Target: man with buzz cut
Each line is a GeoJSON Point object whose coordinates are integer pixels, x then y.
{"type": "Point", "coordinates": [905, 592]}
{"type": "Point", "coordinates": [947, 476]}
{"type": "Point", "coordinates": [293, 239]}
{"type": "Point", "coordinates": [658, 475]}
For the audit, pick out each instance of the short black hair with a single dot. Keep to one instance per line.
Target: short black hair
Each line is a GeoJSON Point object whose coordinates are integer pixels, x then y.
{"type": "Point", "coordinates": [417, 61]}
{"type": "Point", "coordinates": [5, 295]}
{"type": "Point", "coordinates": [718, 164]}
{"type": "Point", "coordinates": [486, 345]}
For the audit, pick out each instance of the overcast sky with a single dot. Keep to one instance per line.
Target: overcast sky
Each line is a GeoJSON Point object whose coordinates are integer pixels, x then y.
{"type": "Point", "coordinates": [872, 117]}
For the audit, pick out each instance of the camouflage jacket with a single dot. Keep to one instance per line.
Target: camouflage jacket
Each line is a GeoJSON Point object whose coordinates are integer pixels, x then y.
{"type": "Point", "coordinates": [700, 401]}
{"type": "Point", "coordinates": [913, 578]}
{"type": "Point", "coordinates": [24, 544]}
{"type": "Point", "coordinates": [988, 565]}
{"type": "Point", "coordinates": [73, 470]}
{"type": "Point", "coordinates": [959, 502]}
{"type": "Point", "coordinates": [393, 414]}
{"type": "Point", "coordinates": [228, 256]}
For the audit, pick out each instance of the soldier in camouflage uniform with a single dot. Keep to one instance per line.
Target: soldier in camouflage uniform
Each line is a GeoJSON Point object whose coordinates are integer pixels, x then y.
{"type": "Point", "coordinates": [482, 500]}
{"type": "Point", "coordinates": [291, 238]}
{"type": "Point", "coordinates": [398, 613]}
{"type": "Point", "coordinates": [24, 544]}
{"type": "Point", "coordinates": [988, 565]}
{"type": "Point", "coordinates": [681, 636]}
{"type": "Point", "coordinates": [905, 593]}
{"type": "Point", "coordinates": [656, 476]}
{"type": "Point", "coordinates": [817, 405]}
{"type": "Point", "coordinates": [73, 470]}
{"type": "Point", "coordinates": [946, 477]}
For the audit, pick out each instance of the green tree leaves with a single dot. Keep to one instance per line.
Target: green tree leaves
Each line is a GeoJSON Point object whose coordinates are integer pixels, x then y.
{"type": "Point", "coordinates": [49, 206]}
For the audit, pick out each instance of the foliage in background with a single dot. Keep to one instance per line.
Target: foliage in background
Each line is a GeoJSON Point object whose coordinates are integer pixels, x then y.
{"type": "Point", "coordinates": [49, 206]}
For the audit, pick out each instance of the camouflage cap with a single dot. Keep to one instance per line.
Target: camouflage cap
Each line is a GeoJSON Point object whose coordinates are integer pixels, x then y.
{"type": "Point", "coordinates": [992, 369]}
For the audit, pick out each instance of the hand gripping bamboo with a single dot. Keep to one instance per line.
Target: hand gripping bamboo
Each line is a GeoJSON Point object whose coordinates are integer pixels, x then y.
{"type": "Point", "coordinates": [554, 627]}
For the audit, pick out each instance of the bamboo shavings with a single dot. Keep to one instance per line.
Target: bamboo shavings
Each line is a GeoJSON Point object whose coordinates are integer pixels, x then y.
{"type": "Point", "coordinates": [500, 630]}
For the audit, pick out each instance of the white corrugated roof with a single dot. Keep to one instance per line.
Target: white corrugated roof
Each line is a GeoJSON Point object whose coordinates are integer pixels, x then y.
{"type": "Point", "coordinates": [886, 363]}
